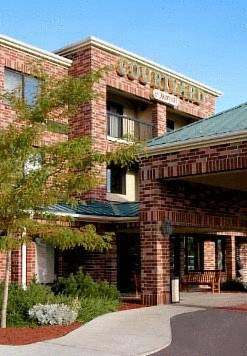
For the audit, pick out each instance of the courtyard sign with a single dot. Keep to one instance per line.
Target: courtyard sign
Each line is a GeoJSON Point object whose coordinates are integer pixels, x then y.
{"type": "Point", "coordinates": [159, 80]}
{"type": "Point", "coordinates": [164, 97]}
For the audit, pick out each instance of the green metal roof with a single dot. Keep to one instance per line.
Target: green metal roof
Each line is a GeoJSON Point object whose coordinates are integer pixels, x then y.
{"type": "Point", "coordinates": [98, 208]}
{"type": "Point", "coordinates": [230, 121]}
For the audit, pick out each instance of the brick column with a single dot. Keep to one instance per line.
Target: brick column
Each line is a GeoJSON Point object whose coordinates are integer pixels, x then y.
{"type": "Point", "coordinates": [16, 261]}
{"type": "Point", "coordinates": [230, 257]}
{"type": "Point", "coordinates": [155, 247]}
{"type": "Point", "coordinates": [111, 263]}
{"type": "Point", "coordinates": [158, 118]}
{"type": "Point", "coordinates": [92, 118]}
{"type": "Point", "coordinates": [209, 255]}
{"type": "Point", "coordinates": [31, 261]}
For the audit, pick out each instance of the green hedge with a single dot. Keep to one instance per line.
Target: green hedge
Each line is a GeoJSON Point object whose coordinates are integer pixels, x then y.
{"type": "Point", "coordinates": [79, 291]}
{"type": "Point", "coordinates": [82, 285]}
{"type": "Point", "coordinates": [234, 285]}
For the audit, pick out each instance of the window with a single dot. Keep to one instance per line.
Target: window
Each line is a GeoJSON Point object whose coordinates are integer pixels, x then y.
{"type": "Point", "coordinates": [220, 251]}
{"type": "Point", "coordinates": [116, 180]}
{"type": "Point", "coordinates": [170, 125]}
{"type": "Point", "coordinates": [24, 85]}
{"type": "Point", "coordinates": [194, 254]}
{"type": "Point", "coordinates": [115, 120]}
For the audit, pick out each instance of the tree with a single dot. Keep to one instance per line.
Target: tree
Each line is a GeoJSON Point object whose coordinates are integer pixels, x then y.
{"type": "Point", "coordinates": [35, 176]}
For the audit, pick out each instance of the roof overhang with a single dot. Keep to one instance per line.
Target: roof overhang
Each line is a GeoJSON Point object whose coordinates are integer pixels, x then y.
{"type": "Point", "coordinates": [95, 218]}
{"type": "Point", "coordinates": [197, 143]}
{"type": "Point", "coordinates": [108, 47]}
{"type": "Point", "coordinates": [35, 51]}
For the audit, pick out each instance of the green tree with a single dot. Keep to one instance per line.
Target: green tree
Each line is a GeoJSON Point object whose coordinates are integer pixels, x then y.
{"type": "Point", "coordinates": [35, 176]}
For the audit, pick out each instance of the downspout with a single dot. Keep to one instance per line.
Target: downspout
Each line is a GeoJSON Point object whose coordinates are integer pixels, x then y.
{"type": "Point", "coordinates": [24, 262]}
{"type": "Point", "coordinates": [24, 266]}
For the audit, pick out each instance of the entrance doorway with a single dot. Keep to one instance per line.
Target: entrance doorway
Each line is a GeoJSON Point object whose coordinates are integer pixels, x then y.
{"type": "Point", "coordinates": [197, 253]}
{"type": "Point", "coordinates": [128, 263]}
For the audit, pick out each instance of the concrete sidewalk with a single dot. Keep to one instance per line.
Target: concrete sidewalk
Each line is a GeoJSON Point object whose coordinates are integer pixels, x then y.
{"type": "Point", "coordinates": [210, 300]}
{"type": "Point", "coordinates": [133, 332]}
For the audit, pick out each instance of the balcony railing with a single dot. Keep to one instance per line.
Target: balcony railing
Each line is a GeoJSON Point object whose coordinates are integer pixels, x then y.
{"type": "Point", "coordinates": [126, 128]}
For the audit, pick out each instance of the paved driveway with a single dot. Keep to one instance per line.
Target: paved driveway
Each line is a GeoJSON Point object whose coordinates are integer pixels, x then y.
{"type": "Point", "coordinates": [212, 332]}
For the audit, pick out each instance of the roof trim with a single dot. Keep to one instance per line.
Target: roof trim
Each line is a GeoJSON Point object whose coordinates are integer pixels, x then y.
{"type": "Point", "coordinates": [237, 136]}
{"type": "Point", "coordinates": [105, 219]}
{"type": "Point", "coordinates": [94, 41]}
{"type": "Point", "coordinates": [55, 58]}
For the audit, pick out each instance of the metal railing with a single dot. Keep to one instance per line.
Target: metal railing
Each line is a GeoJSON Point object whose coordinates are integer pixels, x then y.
{"type": "Point", "coordinates": [126, 128]}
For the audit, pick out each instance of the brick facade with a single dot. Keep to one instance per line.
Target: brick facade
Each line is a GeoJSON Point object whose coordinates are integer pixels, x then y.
{"type": "Point", "coordinates": [22, 61]}
{"type": "Point", "coordinates": [91, 120]}
{"type": "Point", "coordinates": [162, 195]}
{"type": "Point", "coordinates": [188, 205]}
{"type": "Point", "coordinates": [209, 255]}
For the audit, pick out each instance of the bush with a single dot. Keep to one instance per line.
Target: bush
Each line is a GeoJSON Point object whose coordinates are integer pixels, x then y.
{"type": "Point", "coordinates": [234, 285]}
{"type": "Point", "coordinates": [79, 292]}
{"type": "Point", "coordinates": [20, 301]}
{"type": "Point", "coordinates": [91, 307]}
{"type": "Point", "coordinates": [52, 314]}
{"type": "Point", "coordinates": [81, 285]}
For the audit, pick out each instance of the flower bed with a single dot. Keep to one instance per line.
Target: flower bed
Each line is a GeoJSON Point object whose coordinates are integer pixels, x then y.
{"type": "Point", "coordinates": [24, 336]}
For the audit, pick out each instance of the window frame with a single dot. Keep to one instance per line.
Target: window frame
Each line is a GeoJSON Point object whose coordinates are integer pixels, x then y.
{"type": "Point", "coordinates": [22, 89]}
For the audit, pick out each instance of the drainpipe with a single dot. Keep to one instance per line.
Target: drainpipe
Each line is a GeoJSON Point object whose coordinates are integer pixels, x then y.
{"type": "Point", "coordinates": [24, 263]}
{"type": "Point", "coordinates": [24, 266]}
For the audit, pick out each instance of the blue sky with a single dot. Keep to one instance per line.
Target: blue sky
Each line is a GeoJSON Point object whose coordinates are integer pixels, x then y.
{"type": "Point", "coordinates": [204, 39]}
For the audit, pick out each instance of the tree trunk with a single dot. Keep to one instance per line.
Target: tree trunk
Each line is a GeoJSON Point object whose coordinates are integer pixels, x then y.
{"type": "Point", "coordinates": [6, 290]}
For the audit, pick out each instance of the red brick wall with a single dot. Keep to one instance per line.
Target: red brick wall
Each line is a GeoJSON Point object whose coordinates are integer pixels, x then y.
{"type": "Point", "coordinates": [100, 266]}
{"type": "Point", "coordinates": [187, 206]}
{"type": "Point", "coordinates": [209, 255]}
{"type": "Point", "coordinates": [21, 61]}
{"type": "Point", "coordinates": [91, 119]}
{"type": "Point", "coordinates": [230, 257]}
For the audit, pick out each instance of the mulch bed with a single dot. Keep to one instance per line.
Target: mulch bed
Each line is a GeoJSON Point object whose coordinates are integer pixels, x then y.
{"type": "Point", "coordinates": [127, 306]}
{"type": "Point", "coordinates": [26, 335]}
{"type": "Point", "coordinates": [240, 307]}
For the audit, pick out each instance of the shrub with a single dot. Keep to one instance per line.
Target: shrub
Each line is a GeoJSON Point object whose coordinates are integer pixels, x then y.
{"type": "Point", "coordinates": [20, 301]}
{"type": "Point", "coordinates": [52, 314]}
{"type": "Point", "coordinates": [234, 285]}
{"type": "Point", "coordinates": [82, 285]}
{"type": "Point", "coordinates": [91, 307]}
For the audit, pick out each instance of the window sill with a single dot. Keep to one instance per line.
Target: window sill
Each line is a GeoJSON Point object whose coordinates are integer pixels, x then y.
{"type": "Point", "coordinates": [118, 140]}
{"type": "Point", "coordinates": [118, 197]}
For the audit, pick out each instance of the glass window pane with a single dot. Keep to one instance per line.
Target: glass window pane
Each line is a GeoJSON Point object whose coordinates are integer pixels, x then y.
{"type": "Point", "coordinates": [30, 89]}
{"type": "Point", "coordinates": [12, 81]}
{"type": "Point", "coordinates": [116, 179]}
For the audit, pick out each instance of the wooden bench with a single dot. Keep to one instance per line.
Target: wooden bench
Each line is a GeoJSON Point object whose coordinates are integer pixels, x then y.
{"type": "Point", "coordinates": [210, 278]}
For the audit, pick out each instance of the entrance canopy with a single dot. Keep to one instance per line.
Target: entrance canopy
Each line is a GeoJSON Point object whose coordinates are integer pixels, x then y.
{"type": "Point", "coordinates": [194, 180]}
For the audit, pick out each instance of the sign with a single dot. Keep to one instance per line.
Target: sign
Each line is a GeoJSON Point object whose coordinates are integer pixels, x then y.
{"type": "Point", "coordinates": [45, 262]}
{"type": "Point", "coordinates": [159, 80]}
{"type": "Point", "coordinates": [165, 97]}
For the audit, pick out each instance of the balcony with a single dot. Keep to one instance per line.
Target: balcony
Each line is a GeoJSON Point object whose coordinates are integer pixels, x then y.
{"type": "Point", "coordinates": [125, 128]}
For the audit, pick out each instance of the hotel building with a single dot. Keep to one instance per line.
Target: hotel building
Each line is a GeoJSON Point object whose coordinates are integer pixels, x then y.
{"type": "Point", "coordinates": [181, 209]}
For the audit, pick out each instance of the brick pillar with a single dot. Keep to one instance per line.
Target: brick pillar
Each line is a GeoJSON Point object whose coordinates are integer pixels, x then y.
{"type": "Point", "coordinates": [111, 263]}
{"type": "Point", "coordinates": [31, 261]}
{"type": "Point", "coordinates": [209, 255]}
{"type": "Point", "coordinates": [2, 265]}
{"type": "Point", "coordinates": [155, 247]}
{"type": "Point", "coordinates": [92, 118]}
{"type": "Point", "coordinates": [16, 262]}
{"type": "Point", "coordinates": [158, 118]}
{"type": "Point", "coordinates": [60, 267]}
{"type": "Point", "coordinates": [230, 257]}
